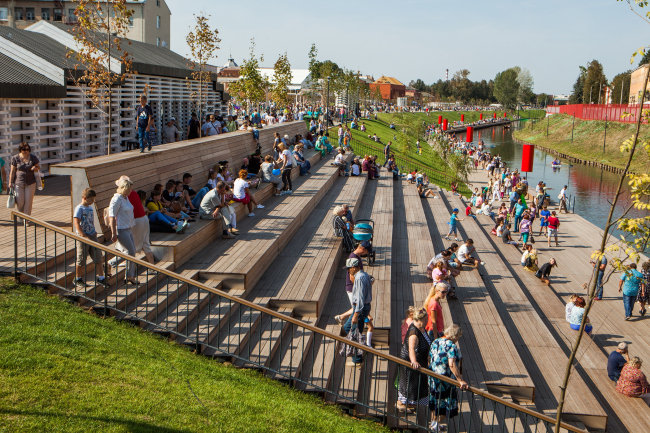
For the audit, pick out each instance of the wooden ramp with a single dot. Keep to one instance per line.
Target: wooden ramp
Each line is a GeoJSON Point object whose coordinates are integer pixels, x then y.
{"type": "Point", "coordinates": [538, 349]}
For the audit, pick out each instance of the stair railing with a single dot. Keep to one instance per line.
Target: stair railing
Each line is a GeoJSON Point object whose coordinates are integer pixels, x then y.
{"type": "Point", "coordinates": [224, 326]}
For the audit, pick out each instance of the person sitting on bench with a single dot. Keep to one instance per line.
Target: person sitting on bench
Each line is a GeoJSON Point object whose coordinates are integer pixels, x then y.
{"type": "Point", "coordinates": [505, 236]}
{"type": "Point", "coordinates": [341, 230]}
{"type": "Point", "coordinates": [213, 206]}
{"type": "Point", "coordinates": [464, 254]}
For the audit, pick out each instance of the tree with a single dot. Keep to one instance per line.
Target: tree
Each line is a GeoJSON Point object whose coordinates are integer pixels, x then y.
{"type": "Point", "coordinates": [621, 88]}
{"type": "Point", "coordinates": [595, 83]}
{"type": "Point", "coordinates": [461, 85]}
{"type": "Point", "coordinates": [99, 34]}
{"type": "Point", "coordinates": [506, 87]}
{"type": "Point", "coordinates": [578, 86]}
{"type": "Point", "coordinates": [251, 86]}
{"type": "Point", "coordinates": [646, 57]}
{"type": "Point", "coordinates": [203, 42]}
{"type": "Point", "coordinates": [282, 77]}
{"type": "Point", "coordinates": [419, 85]}
{"type": "Point", "coordinates": [526, 84]}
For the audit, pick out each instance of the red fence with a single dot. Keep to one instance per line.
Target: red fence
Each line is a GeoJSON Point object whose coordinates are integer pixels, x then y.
{"type": "Point", "coordinates": [612, 112]}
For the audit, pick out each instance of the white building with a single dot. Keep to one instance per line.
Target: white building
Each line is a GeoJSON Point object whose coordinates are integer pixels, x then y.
{"type": "Point", "coordinates": [40, 104]}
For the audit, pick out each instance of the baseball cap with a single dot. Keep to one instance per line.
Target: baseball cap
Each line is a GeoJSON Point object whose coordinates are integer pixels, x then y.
{"type": "Point", "coordinates": [172, 118]}
{"type": "Point", "coordinates": [366, 245]}
{"type": "Point", "coordinates": [622, 346]}
{"type": "Point", "coordinates": [455, 210]}
{"type": "Point", "coordinates": [351, 263]}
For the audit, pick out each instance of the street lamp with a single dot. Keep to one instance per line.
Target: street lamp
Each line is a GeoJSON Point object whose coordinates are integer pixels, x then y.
{"type": "Point", "coordinates": [347, 102]}
{"type": "Point", "coordinates": [327, 106]}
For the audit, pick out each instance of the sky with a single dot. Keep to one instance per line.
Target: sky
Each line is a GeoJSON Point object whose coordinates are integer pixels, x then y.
{"type": "Point", "coordinates": [411, 39]}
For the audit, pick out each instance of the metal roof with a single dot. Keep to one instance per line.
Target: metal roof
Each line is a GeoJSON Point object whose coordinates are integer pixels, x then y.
{"type": "Point", "coordinates": [19, 81]}
{"type": "Point", "coordinates": [41, 45]}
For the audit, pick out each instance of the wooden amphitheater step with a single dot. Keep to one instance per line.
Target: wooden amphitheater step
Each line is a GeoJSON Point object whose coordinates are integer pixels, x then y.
{"type": "Point", "coordinates": [501, 370]}
{"type": "Point", "coordinates": [544, 358]}
{"type": "Point", "coordinates": [204, 233]}
{"type": "Point", "coordinates": [592, 360]}
{"type": "Point", "coordinates": [241, 262]}
{"type": "Point", "coordinates": [245, 330]}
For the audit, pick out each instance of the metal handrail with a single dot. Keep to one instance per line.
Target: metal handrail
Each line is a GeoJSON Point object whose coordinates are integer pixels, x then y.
{"type": "Point", "coordinates": [274, 314]}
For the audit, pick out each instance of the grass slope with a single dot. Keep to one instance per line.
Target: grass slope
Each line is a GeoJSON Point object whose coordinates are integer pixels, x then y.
{"type": "Point", "coordinates": [470, 116]}
{"type": "Point", "coordinates": [588, 137]}
{"type": "Point", "coordinates": [64, 370]}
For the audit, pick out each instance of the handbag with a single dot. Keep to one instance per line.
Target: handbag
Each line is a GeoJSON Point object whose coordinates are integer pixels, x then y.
{"type": "Point", "coordinates": [11, 200]}
{"type": "Point", "coordinates": [348, 350]}
{"type": "Point", "coordinates": [532, 239]}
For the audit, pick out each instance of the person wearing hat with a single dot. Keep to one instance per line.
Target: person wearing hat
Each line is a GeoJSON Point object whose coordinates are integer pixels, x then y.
{"type": "Point", "coordinates": [363, 249]}
{"type": "Point", "coordinates": [170, 132]}
{"type": "Point", "coordinates": [617, 359]}
{"type": "Point", "coordinates": [361, 304]}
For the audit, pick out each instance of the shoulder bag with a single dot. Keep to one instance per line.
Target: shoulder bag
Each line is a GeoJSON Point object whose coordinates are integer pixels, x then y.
{"type": "Point", "coordinates": [11, 200]}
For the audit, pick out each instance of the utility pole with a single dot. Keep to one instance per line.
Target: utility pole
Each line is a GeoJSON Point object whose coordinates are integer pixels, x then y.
{"type": "Point", "coordinates": [547, 122]}
{"type": "Point", "coordinates": [605, 139]}
{"type": "Point", "coordinates": [590, 89]}
{"type": "Point", "coordinates": [600, 92]}
{"type": "Point", "coordinates": [10, 15]}
{"type": "Point", "coordinates": [574, 124]}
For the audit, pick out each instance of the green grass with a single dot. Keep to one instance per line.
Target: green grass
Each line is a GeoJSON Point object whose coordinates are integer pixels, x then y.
{"type": "Point", "coordinates": [65, 370]}
{"type": "Point", "coordinates": [588, 140]}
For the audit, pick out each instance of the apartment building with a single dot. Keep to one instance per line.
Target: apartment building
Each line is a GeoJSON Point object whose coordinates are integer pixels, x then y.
{"type": "Point", "coordinates": [150, 22]}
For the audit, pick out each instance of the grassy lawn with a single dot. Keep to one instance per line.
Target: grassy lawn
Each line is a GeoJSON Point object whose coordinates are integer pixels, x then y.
{"type": "Point", "coordinates": [64, 370]}
{"type": "Point", "coordinates": [588, 138]}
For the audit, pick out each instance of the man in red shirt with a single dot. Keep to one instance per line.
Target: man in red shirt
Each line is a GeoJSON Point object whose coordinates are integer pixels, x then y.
{"type": "Point", "coordinates": [553, 225]}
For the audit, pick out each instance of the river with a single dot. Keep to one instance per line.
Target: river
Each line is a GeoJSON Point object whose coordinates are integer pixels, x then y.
{"type": "Point", "coordinates": [593, 189]}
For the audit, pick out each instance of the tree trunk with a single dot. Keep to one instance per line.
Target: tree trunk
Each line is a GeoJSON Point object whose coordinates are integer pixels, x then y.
{"type": "Point", "coordinates": [603, 243]}
{"type": "Point", "coordinates": [110, 87]}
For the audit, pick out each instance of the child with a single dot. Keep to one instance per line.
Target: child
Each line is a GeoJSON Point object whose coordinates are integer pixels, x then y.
{"type": "Point", "coordinates": [425, 192]}
{"type": "Point", "coordinates": [406, 323]}
{"type": "Point", "coordinates": [212, 178]}
{"type": "Point", "coordinates": [468, 212]}
{"type": "Point", "coordinates": [452, 225]}
{"type": "Point", "coordinates": [84, 224]}
{"type": "Point", "coordinates": [569, 307]}
{"type": "Point", "coordinates": [454, 188]}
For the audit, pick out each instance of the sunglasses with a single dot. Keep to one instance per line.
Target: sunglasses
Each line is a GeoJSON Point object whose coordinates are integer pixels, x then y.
{"type": "Point", "coordinates": [444, 291]}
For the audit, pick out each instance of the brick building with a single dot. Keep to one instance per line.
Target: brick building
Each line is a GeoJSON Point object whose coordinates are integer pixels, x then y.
{"type": "Point", "coordinates": [390, 88]}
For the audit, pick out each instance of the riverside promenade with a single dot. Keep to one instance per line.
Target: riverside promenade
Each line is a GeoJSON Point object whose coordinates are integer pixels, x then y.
{"type": "Point", "coordinates": [578, 238]}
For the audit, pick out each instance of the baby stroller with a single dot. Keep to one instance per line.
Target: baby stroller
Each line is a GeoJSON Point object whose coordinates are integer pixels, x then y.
{"type": "Point", "coordinates": [363, 231]}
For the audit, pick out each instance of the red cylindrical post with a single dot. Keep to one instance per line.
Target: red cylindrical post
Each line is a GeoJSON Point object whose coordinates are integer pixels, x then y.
{"type": "Point", "coordinates": [480, 117]}
{"type": "Point", "coordinates": [462, 117]}
{"type": "Point", "coordinates": [494, 115]}
{"type": "Point", "coordinates": [505, 114]}
{"type": "Point", "coordinates": [527, 158]}
{"type": "Point", "coordinates": [444, 124]}
{"type": "Point", "coordinates": [439, 120]}
{"type": "Point", "coordinates": [470, 134]}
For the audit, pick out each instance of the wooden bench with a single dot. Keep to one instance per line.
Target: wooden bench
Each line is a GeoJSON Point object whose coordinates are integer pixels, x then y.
{"type": "Point", "coordinates": [242, 263]}
{"type": "Point", "coordinates": [164, 162]}
{"type": "Point", "coordinates": [544, 359]}
{"type": "Point", "coordinates": [200, 234]}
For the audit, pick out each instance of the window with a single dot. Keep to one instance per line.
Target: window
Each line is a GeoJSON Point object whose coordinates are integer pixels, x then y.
{"type": "Point", "coordinates": [18, 14]}
{"type": "Point", "coordinates": [157, 42]}
{"type": "Point", "coordinates": [45, 14]}
{"type": "Point", "coordinates": [58, 14]}
{"type": "Point", "coordinates": [131, 21]}
{"type": "Point", "coordinates": [72, 18]}
{"type": "Point", "coordinates": [158, 22]}
{"type": "Point", "coordinates": [30, 15]}
{"type": "Point", "coordinates": [4, 14]}
{"type": "Point", "coordinates": [158, 3]}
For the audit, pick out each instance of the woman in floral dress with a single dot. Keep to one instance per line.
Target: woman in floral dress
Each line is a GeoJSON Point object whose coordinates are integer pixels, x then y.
{"type": "Point", "coordinates": [445, 356]}
{"type": "Point", "coordinates": [633, 382]}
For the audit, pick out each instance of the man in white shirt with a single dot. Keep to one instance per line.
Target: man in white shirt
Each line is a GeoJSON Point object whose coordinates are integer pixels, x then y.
{"type": "Point", "coordinates": [170, 133]}
{"type": "Point", "coordinates": [342, 163]}
{"type": "Point", "coordinates": [210, 128]}
{"type": "Point", "coordinates": [562, 198]}
{"type": "Point", "coordinates": [213, 207]}
{"type": "Point", "coordinates": [465, 252]}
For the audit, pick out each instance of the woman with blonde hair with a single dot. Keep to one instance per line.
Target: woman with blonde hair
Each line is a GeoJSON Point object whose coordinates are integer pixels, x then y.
{"type": "Point", "coordinates": [436, 323]}
{"type": "Point", "coordinates": [241, 193]}
{"type": "Point", "coordinates": [633, 382]}
{"type": "Point", "coordinates": [413, 387]}
{"type": "Point", "coordinates": [121, 221]}
{"type": "Point", "coordinates": [445, 358]}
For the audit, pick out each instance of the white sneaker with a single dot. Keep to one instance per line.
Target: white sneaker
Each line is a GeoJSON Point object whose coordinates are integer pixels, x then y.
{"type": "Point", "coordinates": [259, 206]}
{"type": "Point", "coordinates": [483, 263]}
{"type": "Point", "coordinates": [251, 214]}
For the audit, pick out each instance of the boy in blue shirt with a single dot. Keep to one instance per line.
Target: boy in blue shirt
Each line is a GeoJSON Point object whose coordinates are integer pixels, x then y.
{"type": "Point", "coordinates": [452, 225]}
{"type": "Point", "coordinates": [84, 224]}
{"type": "Point", "coordinates": [629, 284]}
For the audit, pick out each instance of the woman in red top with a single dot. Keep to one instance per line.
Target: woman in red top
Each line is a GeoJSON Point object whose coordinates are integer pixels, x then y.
{"type": "Point", "coordinates": [435, 323]}
{"type": "Point", "coordinates": [633, 382]}
{"type": "Point", "coordinates": [553, 225]}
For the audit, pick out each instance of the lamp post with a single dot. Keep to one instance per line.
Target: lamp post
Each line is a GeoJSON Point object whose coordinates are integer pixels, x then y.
{"type": "Point", "coordinates": [347, 102]}
{"type": "Point", "coordinates": [327, 106]}
{"type": "Point", "coordinates": [605, 139]}
{"type": "Point", "coordinates": [573, 125]}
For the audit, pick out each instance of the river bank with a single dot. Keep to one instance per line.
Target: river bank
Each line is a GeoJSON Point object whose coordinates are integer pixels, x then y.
{"type": "Point", "coordinates": [588, 139]}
